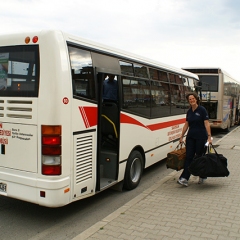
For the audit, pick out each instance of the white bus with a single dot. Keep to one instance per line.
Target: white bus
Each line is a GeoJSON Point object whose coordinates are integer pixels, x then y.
{"type": "Point", "coordinates": [220, 96]}
{"type": "Point", "coordinates": [59, 141]}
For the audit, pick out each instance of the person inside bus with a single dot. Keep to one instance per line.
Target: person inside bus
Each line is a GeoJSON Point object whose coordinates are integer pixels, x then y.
{"type": "Point", "coordinates": [3, 84]}
{"type": "Point", "coordinates": [110, 89]}
{"type": "Point", "coordinates": [3, 75]}
{"type": "Point", "coordinates": [199, 132]}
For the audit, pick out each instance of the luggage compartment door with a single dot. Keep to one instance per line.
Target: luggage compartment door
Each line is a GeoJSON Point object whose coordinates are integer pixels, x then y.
{"type": "Point", "coordinates": [18, 147]}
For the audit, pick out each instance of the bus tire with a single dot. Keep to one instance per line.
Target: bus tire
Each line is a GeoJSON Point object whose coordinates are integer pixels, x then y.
{"type": "Point", "coordinates": [134, 169]}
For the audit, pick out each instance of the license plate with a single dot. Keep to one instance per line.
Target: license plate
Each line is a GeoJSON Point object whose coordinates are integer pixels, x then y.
{"type": "Point", "coordinates": [3, 187]}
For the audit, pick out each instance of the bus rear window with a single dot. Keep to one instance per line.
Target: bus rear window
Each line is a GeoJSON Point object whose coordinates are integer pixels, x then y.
{"type": "Point", "coordinates": [19, 71]}
{"type": "Point", "coordinates": [209, 83]}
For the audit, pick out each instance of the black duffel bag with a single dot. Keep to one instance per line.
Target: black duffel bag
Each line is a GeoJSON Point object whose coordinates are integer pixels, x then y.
{"type": "Point", "coordinates": [209, 165]}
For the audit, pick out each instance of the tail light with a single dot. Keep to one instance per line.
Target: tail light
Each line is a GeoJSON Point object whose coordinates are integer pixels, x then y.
{"type": "Point", "coordinates": [28, 39]}
{"type": "Point", "coordinates": [217, 122]}
{"type": "Point", "coordinates": [51, 150]}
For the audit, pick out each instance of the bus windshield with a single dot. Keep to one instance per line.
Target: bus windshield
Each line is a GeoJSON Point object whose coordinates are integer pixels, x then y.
{"type": "Point", "coordinates": [19, 71]}
{"type": "Point", "coordinates": [209, 83]}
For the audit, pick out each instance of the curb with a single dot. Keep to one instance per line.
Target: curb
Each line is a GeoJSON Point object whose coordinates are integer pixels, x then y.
{"type": "Point", "coordinates": [226, 135]}
{"type": "Point", "coordinates": [97, 226]}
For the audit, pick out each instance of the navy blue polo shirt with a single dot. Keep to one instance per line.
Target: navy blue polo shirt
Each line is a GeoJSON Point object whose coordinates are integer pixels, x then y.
{"type": "Point", "coordinates": [195, 121]}
{"type": "Point", "coordinates": [110, 90]}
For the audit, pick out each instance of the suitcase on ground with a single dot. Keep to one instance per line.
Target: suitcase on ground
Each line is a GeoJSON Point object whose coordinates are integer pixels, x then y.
{"type": "Point", "coordinates": [209, 165]}
{"type": "Point", "coordinates": [176, 158]}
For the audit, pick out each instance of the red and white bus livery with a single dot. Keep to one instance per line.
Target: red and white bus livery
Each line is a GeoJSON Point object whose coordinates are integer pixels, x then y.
{"type": "Point", "coordinates": [59, 140]}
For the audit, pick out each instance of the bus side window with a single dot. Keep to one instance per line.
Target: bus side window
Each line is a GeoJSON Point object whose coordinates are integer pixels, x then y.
{"type": "Point", "coordinates": [83, 82]}
{"type": "Point", "coordinates": [162, 103]}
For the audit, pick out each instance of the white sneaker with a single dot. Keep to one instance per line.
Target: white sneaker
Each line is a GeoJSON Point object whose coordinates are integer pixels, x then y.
{"type": "Point", "coordinates": [201, 180]}
{"type": "Point", "coordinates": [183, 182]}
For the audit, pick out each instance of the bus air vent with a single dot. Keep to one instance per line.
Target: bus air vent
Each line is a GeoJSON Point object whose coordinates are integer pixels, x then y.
{"type": "Point", "coordinates": [19, 116]}
{"type": "Point", "coordinates": [84, 152]}
{"type": "Point", "coordinates": [19, 102]}
{"type": "Point", "coordinates": [1, 108]}
{"type": "Point", "coordinates": [19, 109]}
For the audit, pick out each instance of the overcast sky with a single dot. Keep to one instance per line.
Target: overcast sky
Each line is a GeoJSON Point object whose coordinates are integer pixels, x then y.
{"type": "Point", "coordinates": [181, 33]}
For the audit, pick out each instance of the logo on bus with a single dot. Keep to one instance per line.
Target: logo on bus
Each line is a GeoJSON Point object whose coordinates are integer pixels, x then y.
{"type": "Point", "coordinates": [65, 100]}
{"type": "Point", "coordinates": [205, 96]}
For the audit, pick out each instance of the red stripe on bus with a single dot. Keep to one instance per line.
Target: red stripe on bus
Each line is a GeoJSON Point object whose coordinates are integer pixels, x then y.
{"type": "Point", "coordinates": [152, 127]}
{"type": "Point", "coordinates": [89, 115]}
{"type": "Point", "coordinates": [84, 117]}
{"type": "Point", "coordinates": [126, 119]}
{"type": "Point", "coordinates": [158, 126]}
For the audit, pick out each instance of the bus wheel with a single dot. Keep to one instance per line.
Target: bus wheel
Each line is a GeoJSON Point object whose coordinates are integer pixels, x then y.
{"type": "Point", "coordinates": [133, 171]}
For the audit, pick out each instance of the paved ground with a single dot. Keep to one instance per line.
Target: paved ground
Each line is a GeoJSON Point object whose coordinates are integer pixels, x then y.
{"type": "Point", "coordinates": [168, 210]}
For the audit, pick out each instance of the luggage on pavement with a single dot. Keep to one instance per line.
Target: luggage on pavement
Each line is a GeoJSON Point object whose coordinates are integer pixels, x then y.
{"type": "Point", "coordinates": [209, 165]}
{"type": "Point", "coordinates": [176, 158]}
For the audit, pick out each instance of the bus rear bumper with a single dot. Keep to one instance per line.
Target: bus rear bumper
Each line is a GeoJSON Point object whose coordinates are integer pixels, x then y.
{"type": "Point", "coordinates": [49, 193]}
{"type": "Point", "coordinates": [216, 124]}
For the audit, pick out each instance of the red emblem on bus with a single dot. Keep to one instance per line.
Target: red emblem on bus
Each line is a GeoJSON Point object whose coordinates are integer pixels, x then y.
{"type": "Point", "coordinates": [65, 100]}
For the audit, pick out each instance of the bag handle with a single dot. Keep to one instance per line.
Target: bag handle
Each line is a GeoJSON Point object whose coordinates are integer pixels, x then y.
{"type": "Point", "coordinates": [208, 149]}
{"type": "Point", "coordinates": [180, 144]}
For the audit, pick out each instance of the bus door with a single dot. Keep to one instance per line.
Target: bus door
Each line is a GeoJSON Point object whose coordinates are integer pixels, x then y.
{"type": "Point", "coordinates": [233, 111]}
{"type": "Point", "coordinates": [237, 111]}
{"type": "Point", "coordinates": [108, 130]}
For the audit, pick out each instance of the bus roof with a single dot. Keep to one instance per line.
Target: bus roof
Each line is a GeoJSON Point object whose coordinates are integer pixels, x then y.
{"type": "Point", "coordinates": [13, 39]}
{"type": "Point", "coordinates": [127, 55]}
{"type": "Point", "coordinates": [206, 70]}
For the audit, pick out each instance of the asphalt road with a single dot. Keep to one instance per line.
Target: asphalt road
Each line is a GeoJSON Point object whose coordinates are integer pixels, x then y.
{"type": "Point", "coordinates": [21, 220]}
